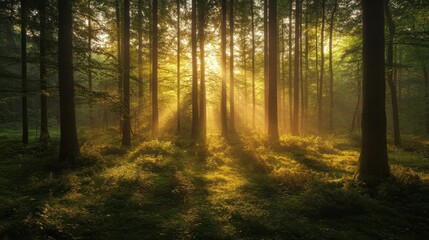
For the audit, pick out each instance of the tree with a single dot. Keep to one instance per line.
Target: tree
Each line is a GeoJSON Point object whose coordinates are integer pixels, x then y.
{"type": "Point", "coordinates": [178, 64]}
{"type": "Point", "coordinates": [231, 65]}
{"type": "Point", "coordinates": [373, 161]}
{"type": "Point", "coordinates": [322, 70]}
{"type": "Point", "coordinates": [90, 61]}
{"type": "Point", "coordinates": [273, 132]}
{"type": "Point", "coordinates": [295, 120]}
{"type": "Point", "coordinates": [155, 120]}
{"type": "Point", "coordinates": [290, 66]}
{"type": "Point", "coordinates": [24, 97]}
{"type": "Point", "coordinates": [44, 132]}
{"type": "Point", "coordinates": [266, 65]}
{"type": "Point", "coordinates": [195, 128]}
{"type": "Point", "coordinates": [390, 80]}
{"type": "Point", "coordinates": [69, 147]}
{"type": "Point", "coordinates": [203, 110]}
{"type": "Point", "coordinates": [126, 129]}
{"type": "Point", "coordinates": [253, 63]}
{"type": "Point", "coordinates": [140, 54]}
{"type": "Point", "coordinates": [331, 69]}
{"type": "Point", "coordinates": [223, 70]}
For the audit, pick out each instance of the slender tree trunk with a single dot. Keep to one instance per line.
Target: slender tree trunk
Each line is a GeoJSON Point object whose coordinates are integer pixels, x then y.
{"type": "Point", "coordinates": [305, 116]}
{"type": "Point", "coordinates": [195, 128]}
{"type": "Point", "coordinates": [373, 161]}
{"type": "Point", "coordinates": [24, 71]}
{"type": "Point", "coordinates": [155, 120]}
{"type": "Point", "coordinates": [69, 147]}
{"type": "Point", "coordinates": [301, 70]}
{"type": "Point", "coordinates": [283, 78]}
{"type": "Point", "coordinates": [273, 132]}
{"type": "Point", "coordinates": [295, 130]}
{"type": "Point", "coordinates": [290, 67]}
{"type": "Point", "coordinates": [223, 70]}
{"type": "Point", "coordinates": [331, 70]}
{"type": "Point", "coordinates": [266, 65]}
{"type": "Point", "coordinates": [359, 88]}
{"type": "Point", "coordinates": [253, 64]}
{"type": "Point", "coordinates": [126, 129]}
{"type": "Point", "coordinates": [392, 85]}
{"type": "Point", "coordinates": [231, 65]}
{"type": "Point", "coordinates": [140, 55]}
{"type": "Point", "coordinates": [178, 65]}
{"type": "Point", "coordinates": [44, 132]}
{"type": "Point", "coordinates": [322, 70]}
{"type": "Point", "coordinates": [203, 109]}
{"type": "Point", "coordinates": [90, 63]}
{"type": "Point", "coordinates": [119, 51]}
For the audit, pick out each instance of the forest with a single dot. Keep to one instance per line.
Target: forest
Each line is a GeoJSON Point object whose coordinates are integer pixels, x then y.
{"type": "Point", "coordinates": [214, 119]}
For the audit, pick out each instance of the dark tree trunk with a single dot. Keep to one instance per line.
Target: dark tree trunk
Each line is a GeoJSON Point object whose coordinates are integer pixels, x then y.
{"type": "Point", "coordinates": [273, 132]}
{"type": "Point", "coordinates": [392, 84]}
{"type": "Point", "coordinates": [126, 129]}
{"type": "Point", "coordinates": [290, 67]}
{"type": "Point", "coordinates": [44, 132]}
{"type": "Point", "coordinates": [359, 91]}
{"type": "Point", "coordinates": [295, 130]}
{"type": "Point", "coordinates": [266, 65]}
{"type": "Point", "coordinates": [231, 65]}
{"type": "Point", "coordinates": [178, 64]}
{"type": "Point", "coordinates": [119, 51]}
{"type": "Point", "coordinates": [140, 55]}
{"type": "Point", "coordinates": [24, 71]}
{"type": "Point", "coordinates": [223, 70]}
{"type": "Point", "coordinates": [69, 147]}
{"type": "Point", "coordinates": [306, 72]}
{"type": "Point", "coordinates": [322, 71]}
{"type": "Point", "coordinates": [253, 64]}
{"type": "Point", "coordinates": [373, 161]}
{"type": "Point", "coordinates": [90, 63]}
{"type": "Point", "coordinates": [203, 110]}
{"type": "Point", "coordinates": [283, 84]}
{"type": "Point", "coordinates": [331, 70]}
{"type": "Point", "coordinates": [155, 121]}
{"type": "Point", "coordinates": [195, 128]}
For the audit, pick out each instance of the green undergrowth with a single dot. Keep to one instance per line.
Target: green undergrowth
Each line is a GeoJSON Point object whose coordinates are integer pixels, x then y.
{"type": "Point", "coordinates": [235, 188]}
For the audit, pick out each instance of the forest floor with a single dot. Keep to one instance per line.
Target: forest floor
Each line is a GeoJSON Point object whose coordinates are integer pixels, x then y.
{"type": "Point", "coordinates": [223, 189]}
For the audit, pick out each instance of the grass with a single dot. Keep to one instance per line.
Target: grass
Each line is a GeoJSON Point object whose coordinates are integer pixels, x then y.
{"type": "Point", "coordinates": [238, 188]}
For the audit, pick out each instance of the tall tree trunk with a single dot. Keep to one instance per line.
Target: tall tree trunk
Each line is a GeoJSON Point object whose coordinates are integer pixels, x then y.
{"type": "Point", "coordinates": [203, 109]}
{"type": "Point", "coordinates": [140, 55]}
{"type": "Point", "coordinates": [69, 147]}
{"type": "Point", "coordinates": [231, 65]}
{"type": "Point", "coordinates": [301, 70]}
{"type": "Point", "coordinates": [392, 85]}
{"type": "Point", "coordinates": [306, 69]}
{"type": "Point", "coordinates": [24, 71]}
{"type": "Point", "coordinates": [266, 65]}
{"type": "Point", "coordinates": [90, 63]}
{"type": "Point", "coordinates": [283, 85]}
{"type": "Point", "coordinates": [373, 161]}
{"type": "Point", "coordinates": [331, 69]}
{"type": "Point", "coordinates": [273, 132]}
{"type": "Point", "coordinates": [119, 51]}
{"type": "Point", "coordinates": [295, 130]}
{"type": "Point", "coordinates": [290, 66]}
{"type": "Point", "coordinates": [44, 132]}
{"type": "Point", "coordinates": [223, 70]}
{"type": "Point", "coordinates": [126, 129]}
{"type": "Point", "coordinates": [322, 70]}
{"type": "Point", "coordinates": [155, 120]}
{"type": "Point", "coordinates": [359, 88]}
{"type": "Point", "coordinates": [195, 128]}
{"type": "Point", "coordinates": [178, 65]}
{"type": "Point", "coordinates": [253, 64]}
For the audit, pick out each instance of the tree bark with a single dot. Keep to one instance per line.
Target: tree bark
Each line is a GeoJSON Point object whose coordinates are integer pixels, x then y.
{"type": "Point", "coordinates": [266, 65]}
{"type": "Point", "coordinates": [231, 65]}
{"type": "Point", "coordinates": [140, 56]}
{"type": "Point", "coordinates": [273, 132]}
{"type": "Point", "coordinates": [155, 120]}
{"type": "Point", "coordinates": [90, 63]}
{"type": "Point", "coordinates": [195, 128]}
{"type": "Point", "coordinates": [331, 70]}
{"type": "Point", "coordinates": [44, 131]}
{"type": "Point", "coordinates": [253, 64]}
{"type": "Point", "coordinates": [223, 70]}
{"type": "Point", "coordinates": [295, 127]}
{"type": "Point", "coordinates": [390, 81]}
{"type": "Point", "coordinates": [69, 147]}
{"type": "Point", "coordinates": [290, 67]}
{"type": "Point", "coordinates": [24, 97]}
{"type": "Point", "coordinates": [322, 71]}
{"type": "Point", "coordinates": [178, 64]}
{"type": "Point", "coordinates": [373, 161]}
{"type": "Point", "coordinates": [203, 109]}
{"type": "Point", "coordinates": [126, 129]}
